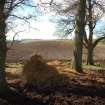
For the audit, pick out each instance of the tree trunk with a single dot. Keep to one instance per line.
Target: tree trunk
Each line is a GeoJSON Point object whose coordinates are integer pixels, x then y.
{"type": "Point", "coordinates": [77, 61]}
{"type": "Point", "coordinates": [3, 83]}
{"type": "Point", "coordinates": [90, 40]}
{"type": "Point", "coordinates": [79, 32]}
{"type": "Point", "coordinates": [90, 51]}
{"type": "Point", "coordinates": [90, 60]}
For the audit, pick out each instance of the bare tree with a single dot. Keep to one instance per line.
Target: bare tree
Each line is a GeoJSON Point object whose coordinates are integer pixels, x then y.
{"type": "Point", "coordinates": [3, 84]}
{"type": "Point", "coordinates": [7, 10]}
{"type": "Point", "coordinates": [79, 32]}
{"type": "Point", "coordinates": [79, 27]}
{"type": "Point", "coordinates": [95, 12]}
{"type": "Point", "coordinates": [65, 26]}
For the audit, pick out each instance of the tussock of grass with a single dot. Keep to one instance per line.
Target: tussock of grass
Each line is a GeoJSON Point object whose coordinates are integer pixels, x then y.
{"type": "Point", "coordinates": [36, 71]}
{"type": "Point", "coordinates": [92, 67]}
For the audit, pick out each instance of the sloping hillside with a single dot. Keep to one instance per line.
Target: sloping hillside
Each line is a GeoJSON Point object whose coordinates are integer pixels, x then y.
{"type": "Point", "coordinates": [58, 49]}
{"type": "Point", "coordinates": [53, 49]}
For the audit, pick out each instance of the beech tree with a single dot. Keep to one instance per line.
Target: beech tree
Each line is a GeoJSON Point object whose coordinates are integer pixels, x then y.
{"type": "Point", "coordinates": [3, 84]}
{"type": "Point", "coordinates": [94, 13]}
{"type": "Point", "coordinates": [68, 25]}
{"type": "Point", "coordinates": [79, 32]}
{"type": "Point", "coordinates": [6, 10]}
{"type": "Point", "coordinates": [79, 28]}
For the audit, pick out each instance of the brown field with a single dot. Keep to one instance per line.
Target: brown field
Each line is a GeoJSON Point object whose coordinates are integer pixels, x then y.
{"type": "Point", "coordinates": [49, 50]}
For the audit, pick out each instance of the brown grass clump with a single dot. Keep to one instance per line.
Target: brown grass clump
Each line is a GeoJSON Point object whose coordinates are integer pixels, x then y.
{"type": "Point", "coordinates": [37, 71]}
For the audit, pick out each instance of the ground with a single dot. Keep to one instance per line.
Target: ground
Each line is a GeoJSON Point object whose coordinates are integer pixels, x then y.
{"type": "Point", "coordinates": [67, 87]}
{"type": "Point", "coordinates": [72, 89]}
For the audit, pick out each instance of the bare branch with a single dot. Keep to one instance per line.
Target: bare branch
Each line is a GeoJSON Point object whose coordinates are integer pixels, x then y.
{"type": "Point", "coordinates": [85, 40]}
{"type": "Point", "coordinates": [100, 5]}
{"type": "Point", "coordinates": [11, 7]}
{"type": "Point", "coordinates": [13, 40]}
{"type": "Point", "coordinates": [85, 44]}
{"type": "Point", "coordinates": [98, 40]}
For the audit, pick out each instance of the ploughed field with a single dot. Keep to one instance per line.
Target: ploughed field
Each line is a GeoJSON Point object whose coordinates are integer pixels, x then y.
{"type": "Point", "coordinates": [47, 49]}
{"type": "Point", "coordinates": [50, 50]}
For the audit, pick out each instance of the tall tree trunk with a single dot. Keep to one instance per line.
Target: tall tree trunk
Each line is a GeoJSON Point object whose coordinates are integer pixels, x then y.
{"type": "Point", "coordinates": [90, 60]}
{"type": "Point", "coordinates": [79, 32]}
{"type": "Point", "coordinates": [3, 83]}
{"type": "Point", "coordinates": [90, 42]}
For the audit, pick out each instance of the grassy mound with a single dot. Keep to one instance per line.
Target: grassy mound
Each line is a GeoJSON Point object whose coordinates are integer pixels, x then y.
{"type": "Point", "coordinates": [37, 71]}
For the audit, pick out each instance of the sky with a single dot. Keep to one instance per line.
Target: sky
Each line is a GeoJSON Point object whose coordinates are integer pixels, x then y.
{"type": "Point", "coordinates": [43, 28]}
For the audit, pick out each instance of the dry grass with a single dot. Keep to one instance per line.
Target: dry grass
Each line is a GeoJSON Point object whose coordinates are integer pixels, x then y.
{"type": "Point", "coordinates": [13, 71]}
{"type": "Point", "coordinates": [59, 73]}
{"type": "Point", "coordinates": [37, 71]}
{"type": "Point", "coordinates": [62, 76]}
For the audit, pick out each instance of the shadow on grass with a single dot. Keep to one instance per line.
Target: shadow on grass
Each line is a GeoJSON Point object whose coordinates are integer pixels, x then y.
{"type": "Point", "coordinates": [51, 80]}
{"type": "Point", "coordinates": [14, 98]}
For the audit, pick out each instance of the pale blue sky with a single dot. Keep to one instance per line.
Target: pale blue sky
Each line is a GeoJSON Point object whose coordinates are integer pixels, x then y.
{"type": "Point", "coordinates": [42, 29]}
{"type": "Point", "coordinates": [45, 29]}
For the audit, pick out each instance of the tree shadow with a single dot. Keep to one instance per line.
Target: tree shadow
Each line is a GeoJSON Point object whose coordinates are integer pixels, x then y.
{"type": "Point", "coordinates": [14, 98]}
{"type": "Point", "coordinates": [50, 80]}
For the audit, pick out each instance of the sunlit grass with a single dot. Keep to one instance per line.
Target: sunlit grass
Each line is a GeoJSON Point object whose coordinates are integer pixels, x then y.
{"type": "Point", "coordinates": [92, 67]}
{"type": "Point", "coordinates": [58, 41]}
{"type": "Point", "coordinates": [61, 75]}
